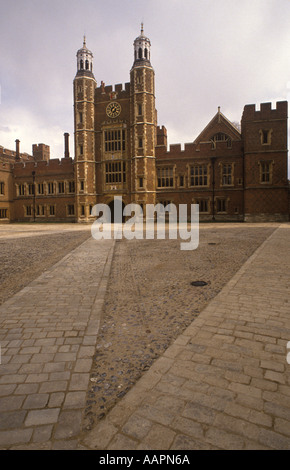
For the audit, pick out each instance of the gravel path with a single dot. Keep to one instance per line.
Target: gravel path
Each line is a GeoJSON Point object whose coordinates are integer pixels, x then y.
{"type": "Point", "coordinates": [150, 301]}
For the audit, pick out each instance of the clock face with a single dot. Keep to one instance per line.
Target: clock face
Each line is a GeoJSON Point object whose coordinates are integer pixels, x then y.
{"type": "Point", "coordinates": [113, 109]}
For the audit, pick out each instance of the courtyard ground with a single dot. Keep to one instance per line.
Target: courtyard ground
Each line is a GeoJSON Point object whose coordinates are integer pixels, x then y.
{"type": "Point", "coordinates": [96, 318]}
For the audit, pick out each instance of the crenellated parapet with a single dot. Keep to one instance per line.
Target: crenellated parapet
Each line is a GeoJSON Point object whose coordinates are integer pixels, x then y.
{"type": "Point", "coordinates": [199, 150]}
{"type": "Point", "coordinates": [118, 91]}
{"type": "Point", "coordinates": [6, 166]}
{"type": "Point", "coordinates": [266, 111]}
{"type": "Point", "coordinates": [48, 168]}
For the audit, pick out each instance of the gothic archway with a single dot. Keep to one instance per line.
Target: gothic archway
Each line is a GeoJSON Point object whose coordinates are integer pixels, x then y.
{"type": "Point", "coordinates": [112, 209]}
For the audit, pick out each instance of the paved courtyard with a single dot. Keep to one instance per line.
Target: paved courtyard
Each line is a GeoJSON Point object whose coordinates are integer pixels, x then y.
{"type": "Point", "coordinates": [221, 383]}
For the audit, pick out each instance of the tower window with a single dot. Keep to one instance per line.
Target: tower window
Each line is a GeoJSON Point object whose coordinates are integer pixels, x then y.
{"type": "Point", "coordinates": [2, 187]}
{"type": "Point", "coordinates": [115, 172]}
{"type": "Point", "coordinates": [82, 64]}
{"type": "Point", "coordinates": [146, 53]}
{"type": "Point", "coordinates": [140, 53]}
{"type": "Point", "coordinates": [140, 142]}
{"type": "Point", "coordinates": [265, 172]}
{"type": "Point", "coordinates": [266, 136]}
{"type": "Point", "coordinates": [115, 140]}
{"type": "Point", "coordinates": [81, 149]}
{"type": "Point", "coordinates": [140, 110]}
{"type": "Point", "coordinates": [87, 65]}
{"type": "Point", "coordinates": [141, 182]}
{"type": "Point", "coordinates": [81, 117]}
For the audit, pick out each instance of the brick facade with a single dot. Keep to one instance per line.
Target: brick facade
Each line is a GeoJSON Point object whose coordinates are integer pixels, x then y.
{"type": "Point", "coordinates": [119, 150]}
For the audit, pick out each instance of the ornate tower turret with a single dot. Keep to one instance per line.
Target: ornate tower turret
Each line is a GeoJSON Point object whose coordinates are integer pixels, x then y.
{"type": "Point", "coordinates": [142, 47]}
{"type": "Point", "coordinates": [84, 125]}
{"type": "Point", "coordinates": [85, 61]}
{"type": "Point", "coordinates": [143, 123]}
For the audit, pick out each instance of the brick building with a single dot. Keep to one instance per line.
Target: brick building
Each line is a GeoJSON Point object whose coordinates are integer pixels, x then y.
{"type": "Point", "coordinates": [237, 174]}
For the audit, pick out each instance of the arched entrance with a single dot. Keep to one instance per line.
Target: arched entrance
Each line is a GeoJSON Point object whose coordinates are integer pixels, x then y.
{"type": "Point", "coordinates": [119, 205]}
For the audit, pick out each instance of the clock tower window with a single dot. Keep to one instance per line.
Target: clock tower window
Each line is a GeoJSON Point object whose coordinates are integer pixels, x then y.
{"type": "Point", "coordinates": [115, 140]}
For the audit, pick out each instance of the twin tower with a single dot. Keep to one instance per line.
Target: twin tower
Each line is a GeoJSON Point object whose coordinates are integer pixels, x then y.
{"type": "Point", "coordinates": [115, 134]}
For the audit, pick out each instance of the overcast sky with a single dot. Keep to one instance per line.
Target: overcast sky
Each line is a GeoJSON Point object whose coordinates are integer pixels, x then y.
{"type": "Point", "coordinates": [205, 53]}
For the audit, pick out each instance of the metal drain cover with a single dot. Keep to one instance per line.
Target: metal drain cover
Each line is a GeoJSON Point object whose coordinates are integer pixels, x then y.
{"type": "Point", "coordinates": [198, 283]}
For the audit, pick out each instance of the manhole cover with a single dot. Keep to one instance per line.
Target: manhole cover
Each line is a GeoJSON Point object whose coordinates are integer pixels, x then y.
{"type": "Point", "coordinates": [198, 283]}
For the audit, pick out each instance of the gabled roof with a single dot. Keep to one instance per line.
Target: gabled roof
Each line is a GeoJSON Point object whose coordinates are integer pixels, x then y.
{"type": "Point", "coordinates": [219, 123]}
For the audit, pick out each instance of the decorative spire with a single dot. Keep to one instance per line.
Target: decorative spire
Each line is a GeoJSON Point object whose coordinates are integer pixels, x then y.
{"type": "Point", "coordinates": [142, 29]}
{"type": "Point", "coordinates": [84, 45]}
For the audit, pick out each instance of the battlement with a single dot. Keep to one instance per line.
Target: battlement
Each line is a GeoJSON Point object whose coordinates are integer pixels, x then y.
{"type": "Point", "coordinates": [6, 166]}
{"type": "Point", "coordinates": [43, 167]}
{"type": "Point", "coordinates": [266, 111]}
{"type": "Point", "coordinates": [41, 152]}
{"type": "Point", "coordinates": [161, 130]}
{"type": "Point", "coordinates": [118, 89]}
{"type": "Point", "coordinates": [11, 155]}
{"type": "Point", "coordinates": [161, 133]}
{"type": "Point", "coordinates": [200, 150]}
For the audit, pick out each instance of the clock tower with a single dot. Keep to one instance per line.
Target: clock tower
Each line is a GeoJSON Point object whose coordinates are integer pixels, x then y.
{"type": "Point", "coordinates": [143, 124]}
{"type": "Point", "coordinates": [84, 124]}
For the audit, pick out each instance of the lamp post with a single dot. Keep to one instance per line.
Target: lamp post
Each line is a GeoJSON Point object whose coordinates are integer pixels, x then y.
{"type": "Point", "coordinates": [33, 181]}
{"type": "Point", "coordinates": [213, 184]}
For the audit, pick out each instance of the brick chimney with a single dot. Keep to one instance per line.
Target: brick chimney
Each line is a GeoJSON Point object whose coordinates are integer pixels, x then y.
{"type": "Point", "coordinates": [17, 149]}
{"type": "Point", "coordinates": [66, 145]}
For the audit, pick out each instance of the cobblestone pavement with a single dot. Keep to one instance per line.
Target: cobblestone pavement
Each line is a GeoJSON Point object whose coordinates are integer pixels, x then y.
{"type": "Point", "coordinates": [222, 383]}
{"type": "Point", "coordinates": [48, 338]}
{"type": "Point", "coordinates": [151, 300]}
{"type": "Point", "coordinates": [27, 251]}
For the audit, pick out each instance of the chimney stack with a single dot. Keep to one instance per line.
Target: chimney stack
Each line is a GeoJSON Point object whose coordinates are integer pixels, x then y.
{"type": "Point", "coordinates": [66, 145]}
{"type": "Point", "coordinates": [17, 149]}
